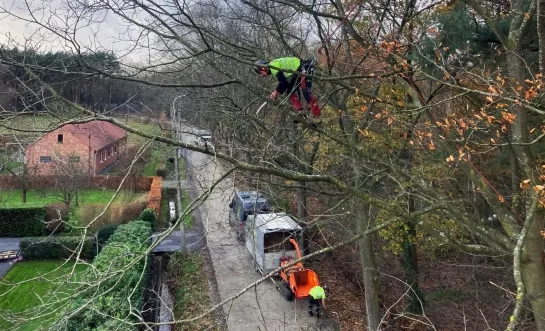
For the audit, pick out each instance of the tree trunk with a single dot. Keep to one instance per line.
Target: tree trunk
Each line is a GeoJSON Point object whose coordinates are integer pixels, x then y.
{"type": "Point", "coordinates": [302, 215]}
{"type": "Point", "coordinates": [541, 34]}
{"type": "Point", "coordinates": [533, 269]}
{"type": "Point", "coordinates": [410, 265]}
{"type": "Point", "coordinates": [369, 268]}
{"type": "Point", "coordinates": [516, 68]}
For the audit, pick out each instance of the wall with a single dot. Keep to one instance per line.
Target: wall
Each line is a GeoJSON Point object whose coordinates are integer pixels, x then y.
{"type": "Point", "coordinates": [106, 160]}
{"type": "Point", "coordinates": [8, 182]}
{"type": "Point", "coordinates": [49, 146]}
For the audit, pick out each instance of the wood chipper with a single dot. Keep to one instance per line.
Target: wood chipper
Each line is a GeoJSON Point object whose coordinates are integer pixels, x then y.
{"type": "Point", "coordinates": [272, 240]}
{"type": "Point", "coordinates": [297, 279]}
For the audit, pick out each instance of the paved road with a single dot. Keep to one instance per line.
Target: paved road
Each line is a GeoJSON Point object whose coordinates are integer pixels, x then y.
{"type": "Point", "coordinates": [258, 309]}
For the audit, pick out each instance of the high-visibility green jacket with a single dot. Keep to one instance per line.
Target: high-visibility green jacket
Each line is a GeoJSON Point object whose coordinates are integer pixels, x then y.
{"type": "Point", "coordinates": [317, 293]}
{"type": "Point", "coordinates": [285, 63]}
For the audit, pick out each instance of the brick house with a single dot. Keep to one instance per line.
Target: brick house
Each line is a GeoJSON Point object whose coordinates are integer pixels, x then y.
{"type": "Point", "coordinates": [91, 146]}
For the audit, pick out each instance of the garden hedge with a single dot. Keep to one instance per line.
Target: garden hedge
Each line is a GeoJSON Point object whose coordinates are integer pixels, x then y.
{"type": "Point", "coordinates": [113, 294]}
{"type": "Point", "coordinates": [154, 196]}
{"type": "Point", "coordinates": [104, 233]}
{"type": "Point", "coordinates": [56, 248]}
{"type": "Point", "coordinates": [149, 215]}
{"type": "Point", "coordinates": [22, 222]}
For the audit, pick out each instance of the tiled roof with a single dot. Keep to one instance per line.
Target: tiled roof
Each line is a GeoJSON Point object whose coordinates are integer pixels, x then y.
{"type": "Point", "coordinates": [102, 133]}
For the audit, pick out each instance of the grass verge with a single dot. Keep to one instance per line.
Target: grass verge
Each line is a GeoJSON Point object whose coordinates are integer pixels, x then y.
{"type": "Point", "coordinates": [187, 280]}
{"type": "Point", "coordinates": [188, 219]}
{"type": "Point", "coordinates": [33, 305]}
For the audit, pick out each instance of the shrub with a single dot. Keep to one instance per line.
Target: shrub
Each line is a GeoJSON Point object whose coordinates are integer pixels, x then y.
{"type": "Point", "coordinates": [22, 222]}
{"type": "Point", "coordinates": [56, 215]}
{"type": "Point", "coordinates": [131, 211]}
{"type": "Point", "coordinates": [148, 215]}
{"type": "Point", "coordinates": [161, 170]}
{"type": "Point", "coordinates": [104, 233]}
{"type": "Point", "coordinates": [88, 213]}
{"type": "Point", "coordinates": [114, 291]}
{"type": "Point", "coordinates": [56, 248]}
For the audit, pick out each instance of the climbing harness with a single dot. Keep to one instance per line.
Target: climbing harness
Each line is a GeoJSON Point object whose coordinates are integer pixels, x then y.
{"type": "Point", "coordinates": [313, 60]}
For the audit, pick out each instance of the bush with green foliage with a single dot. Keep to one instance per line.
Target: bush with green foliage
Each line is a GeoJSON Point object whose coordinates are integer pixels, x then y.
{"type": "Point", "coordinates": [22, 222]}
{"type": "Point", "coordinates": [161, 170]}
{"type": "Point", "coordinates": [131, 211]}
{"type": "Point", "coordinates": [104, 233]}
{"type": "Point", "coordinates": [57, 248]}
{"type": "Point", "coordinates": [113, 294]}
{"type": "Point", "coordinates": [149, 215]}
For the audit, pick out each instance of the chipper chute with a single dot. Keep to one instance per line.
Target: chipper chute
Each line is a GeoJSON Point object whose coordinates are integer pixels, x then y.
{"type": "Point", "coordinates": [298, 281]}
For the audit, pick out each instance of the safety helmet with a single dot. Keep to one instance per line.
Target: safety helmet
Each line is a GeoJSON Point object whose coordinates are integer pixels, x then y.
{"type": "Point", "coordinates": [261, 65]}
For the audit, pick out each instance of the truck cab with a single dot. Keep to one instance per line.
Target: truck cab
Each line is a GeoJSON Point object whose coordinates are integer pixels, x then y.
{"type": "Point", "coordinates": [246, 203]}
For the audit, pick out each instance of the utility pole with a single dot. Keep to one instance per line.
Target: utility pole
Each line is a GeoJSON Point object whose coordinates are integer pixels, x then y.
{"type": "Point", "coordinates": [176, 121]}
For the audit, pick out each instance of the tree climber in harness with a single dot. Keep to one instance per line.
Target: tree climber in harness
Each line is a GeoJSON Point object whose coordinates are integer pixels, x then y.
{"type": "Point", "coordinates": [291, 81]}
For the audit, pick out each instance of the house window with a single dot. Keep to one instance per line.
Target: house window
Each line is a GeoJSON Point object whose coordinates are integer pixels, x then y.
{"type": "Point", "coordinates": [45, 159]}
{"type": "Point", "coordinates": [115, 149]}
{"type": "Point", "coordinates": [109, 152]}
{"type": "Point", "coordinates": [101, 156]}
{"type": "Point", "coordinates": [60, 138]}
{"type": "Point", "coordinates": [74, 158]}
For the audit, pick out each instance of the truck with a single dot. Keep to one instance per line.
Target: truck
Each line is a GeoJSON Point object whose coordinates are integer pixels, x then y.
{"type": "Point", "coordinates": [243, 204]}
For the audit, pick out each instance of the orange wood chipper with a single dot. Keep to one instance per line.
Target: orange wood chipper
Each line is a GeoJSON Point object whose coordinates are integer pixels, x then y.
{"type": "Point", "coordinates": [298, 280]}
{"type": "Point", "coordinates": [272, 241]}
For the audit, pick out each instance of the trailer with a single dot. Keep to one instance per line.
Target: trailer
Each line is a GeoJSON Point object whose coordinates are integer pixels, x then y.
{"type": "Point", "coordinates": [273, 241]}
{"type": "Point", "coordinates": [267, 239]}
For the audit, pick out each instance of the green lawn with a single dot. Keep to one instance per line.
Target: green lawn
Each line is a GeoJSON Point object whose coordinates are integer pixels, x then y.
{"type": "Point", "coordinates": [30, 123]}
{"type": "Point", "coordinates": [186, 200]}
{"type": "Point", "coordinates": [149, 128]}
{"type": "Point", "coordinates": [37, 299]}
{"type": "Point", "coordinates": [13, 197]}
{"type": "Point", "coordinates": [12, 165]}
{"type": "Point", "coordinates": [149, 169]}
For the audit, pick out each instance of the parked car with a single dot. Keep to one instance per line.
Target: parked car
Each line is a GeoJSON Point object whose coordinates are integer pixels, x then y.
{"type": "Point", "coordinates": [202, 136]}
{"type": "Point", "coordinates": [246, 203]}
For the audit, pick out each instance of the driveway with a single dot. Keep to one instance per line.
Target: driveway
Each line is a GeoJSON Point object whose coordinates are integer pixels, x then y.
{"type": "Point", "coordinates": [262, 308]}
{"type": "Point", "coordinates": [7, 244]}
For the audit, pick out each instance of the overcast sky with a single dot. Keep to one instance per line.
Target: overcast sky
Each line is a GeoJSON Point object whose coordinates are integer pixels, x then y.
{"type": "Point", "coordinates": [107, 32]}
